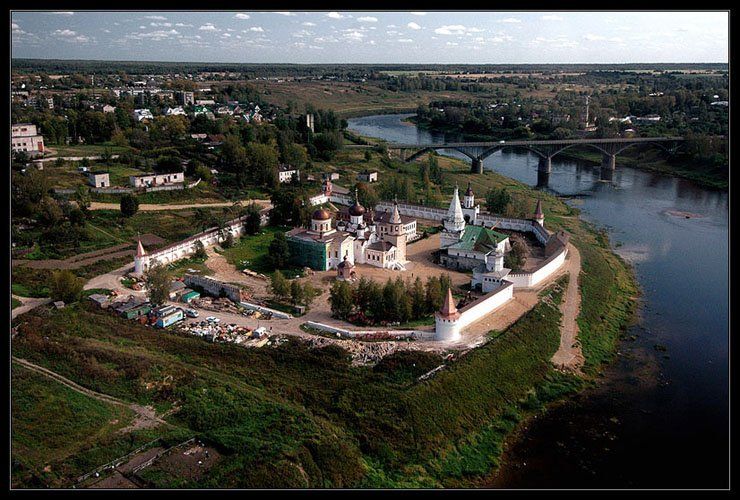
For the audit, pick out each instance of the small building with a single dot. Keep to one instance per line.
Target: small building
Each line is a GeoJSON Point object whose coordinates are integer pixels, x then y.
{"type": "Point", "coordinates": [330, 176]}
{"type": "Point", "coordinates": [185, 98]}
{"type": "Point", "coordinates": [25, 138]}
{"type": "Point", "coordinates": [99, 299]}
{"type": "Point", "coordinates": [133, 308]}
{"type": "Point", "coordinates": [170, 319]}
{"type": "Point", "coordinates": [176, 289]}
{"type": "Point", "coordinates": [98, 179]}
{"type": "Point", "coordinates": [108, 108]}
{"type": "Point", "coordinates": [368, 176]}
{"type": "Point", "coordinates": [286, 172]}
{"type": "Point", "coordinates": [188, 296]}
{"type": "Point", "coordinates": [150, 180]}
{"type": "Point", "coordinates": [142, 114]}
{"type": "Point", "coordinates": [175, 111]}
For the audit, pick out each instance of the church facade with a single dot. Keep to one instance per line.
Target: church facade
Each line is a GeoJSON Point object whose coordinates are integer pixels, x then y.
{"type": "Point", "coordinates": [364, 237]}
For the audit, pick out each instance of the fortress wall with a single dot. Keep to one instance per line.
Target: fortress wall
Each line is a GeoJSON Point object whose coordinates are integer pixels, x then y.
{"type": "Point", "coordinates": [359, 334]}
{"type": "Point", "coordinates": [544, 270]}
{"type": "Point", "coordinates": [485, 305]}
{"type": "Point", "coordinates": [214, 287]}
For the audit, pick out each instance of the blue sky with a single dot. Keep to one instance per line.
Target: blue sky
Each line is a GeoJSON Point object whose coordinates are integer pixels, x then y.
{"type": "Point", "coordinates": [374, 37]}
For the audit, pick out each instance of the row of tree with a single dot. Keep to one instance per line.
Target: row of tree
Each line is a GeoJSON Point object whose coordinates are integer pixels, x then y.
{"type": "Point", "coordinates": [367, 301]}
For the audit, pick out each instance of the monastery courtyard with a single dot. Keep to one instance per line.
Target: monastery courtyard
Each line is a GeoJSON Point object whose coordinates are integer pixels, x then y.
{"type": "Point", "coordinates": [420, 265]}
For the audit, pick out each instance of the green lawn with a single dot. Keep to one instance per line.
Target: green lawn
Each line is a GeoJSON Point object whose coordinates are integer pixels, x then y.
{"type": "Point", "coordinates": [87, 149]}
{"type": "Point", "coordinates": [15, 303]}
{"type": "Point", "coordinates": [250, 252]}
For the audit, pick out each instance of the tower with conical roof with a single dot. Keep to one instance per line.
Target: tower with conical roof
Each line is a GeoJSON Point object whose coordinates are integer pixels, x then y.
{"type": "Point", "coordinates": [446, 320]}
{"type": "Point", "coordinates": [539, 217]}
{"type": "Point", "coordinates": [454, 222]}
{"type": "Point", "coordinates": [469, 209]}
{"type": "Point", "coordinates": [141, 259]}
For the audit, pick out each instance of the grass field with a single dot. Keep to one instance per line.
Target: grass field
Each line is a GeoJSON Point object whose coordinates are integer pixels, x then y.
{"type": "Point", "coordinates": [52, 422]}
{"type": "Point", "coordinates": [15, 303]}
{"type": "Point", "coordinates": [79, 150]}
{"type": "Point", "coordinates": [250, 251]}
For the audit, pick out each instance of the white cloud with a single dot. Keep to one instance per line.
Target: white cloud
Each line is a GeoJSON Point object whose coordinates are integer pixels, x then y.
{"type": "Point", "coordinates": [307, 23]}
{"type": "Point", "coordinates": [511, 20]}
{"type": "Point", "coordinates": [413, 26]}
{"type": "Point", "coordinates": [63, 13]}
{"type": "Point", "coordinates": [418, 13]}
{"type": "Point", "coordinates": [335, 15]}
{"type": "Point", "coordinates": [163, 25]}
{"type": "Point", "coordinates": [456, 29]}
{"type": "Point", "coordinates": [367, 19]}
{"type": "Point", "coordinates": [257, 29]}
{"type": "Point", "coordinates": [405, 40]}
{"type": "Point", "coordinates": [241, 16]}
{"type": "Point", "coordinates": [550, 17]}
{"type": "Point", "coordinates": [451, 44]}
{"type": "Point", "coordinates": [208, 27]}
{"type": "Point", "coordinates": [65, 33]}
{"type": "Point", "coordinates": [354, 35]}
{"type": "Point", "coordinates": [599, 38]}
{"type": "Point", "coordinates": [183, 25]}
{"type": "Point", "coordinates": [284, 13]}
{"type": "Point", "coordinates": [156, 18]}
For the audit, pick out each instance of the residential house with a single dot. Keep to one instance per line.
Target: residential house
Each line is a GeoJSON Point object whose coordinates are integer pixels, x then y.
{"type": "Point", "coordinates": [368, 176]}
{"type": "Point", "coordinates": [286, 172]}
{"type": "Point", "coordinates": [149, 180]}
{"type": "Point", "coordinates": [143, 114]}
{"type": "Point", "coordinates": [98, 179]}
{"type": "Point", "coordinates": [25, 138]}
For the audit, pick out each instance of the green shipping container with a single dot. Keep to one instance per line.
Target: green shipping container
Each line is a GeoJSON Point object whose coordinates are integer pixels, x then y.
{"type": "Point", "coordinates": [137, 311]}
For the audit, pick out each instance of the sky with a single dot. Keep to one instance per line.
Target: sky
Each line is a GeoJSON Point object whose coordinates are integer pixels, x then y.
{"type": "Point", "coordinates": [493, 37]}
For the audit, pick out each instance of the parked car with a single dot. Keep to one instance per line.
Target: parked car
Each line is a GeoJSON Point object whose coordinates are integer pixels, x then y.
{"type": "Point", "coordinates": [191, 313]}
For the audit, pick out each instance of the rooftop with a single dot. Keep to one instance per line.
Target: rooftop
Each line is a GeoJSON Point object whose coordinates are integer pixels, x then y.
{"type": "Point", "coordinates": [479, 239]}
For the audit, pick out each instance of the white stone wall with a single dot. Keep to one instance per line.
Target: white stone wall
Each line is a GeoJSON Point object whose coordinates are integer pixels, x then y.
{"type": "Point", "coordinates": [343, 332]}
{"type": "Point", "coordinates": [447, 330]}
{"type": "Point", "coordinates": [552, 264]}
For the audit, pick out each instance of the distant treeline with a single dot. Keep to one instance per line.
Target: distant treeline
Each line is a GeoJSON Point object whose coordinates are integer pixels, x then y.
{"type": "Point", "coordinates": [339, 70]}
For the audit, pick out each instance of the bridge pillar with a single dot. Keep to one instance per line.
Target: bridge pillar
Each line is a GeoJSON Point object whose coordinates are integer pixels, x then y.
{"type": "Point", "coordinates": [609, 162]}
{"type": "Point", "coordinates": [545, 164]}
{"type": "Point", "coordinates": [607, 174]}
{"type": "Point", "coordinates": [477, 167]}
{"type": "Point", "coordinates": [543, 178]}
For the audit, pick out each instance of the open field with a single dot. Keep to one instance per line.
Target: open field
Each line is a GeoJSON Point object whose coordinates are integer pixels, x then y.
{"type": "Point", "coordinates": [79, 150]}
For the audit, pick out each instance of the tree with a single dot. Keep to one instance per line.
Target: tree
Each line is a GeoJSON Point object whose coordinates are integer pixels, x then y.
{"type": "Point", "coordinates": [82, 197]}
{"type": "Point", "coordinates": [200, 251]}
{"type": "Point", "coordinates": [254, 220]}
{"type": "Point", "coordinates": [296, 292]}
{"type": "Point", "coordinates": [418, 299]}
{"type": "Point", "coordinates": [368, 156]}
{"type": "Point", "coordinates": [516, 258]}
{"type": "Point", "coordinates": [129, 205]}
{"type": "Point", "coordinates": [228, 242]}
{"type": "Point", "coordinates": [279, 285]}
{"type": "Point", "coordinates": [497, 200]}
{"type": "Point", "coordinates": [367, 195]}
{"type": "Point", "coordinates": [158, 283]}
{"type": "Point", "coordinates": [433, 294]}
{"type": "Point", "coordinates": [66, 286]}
{"type": "Point", "coordinates": [262, 160]}
{"type": "Point", "coordinates": [278, 252]}
{"type": "Point", "coordinates": [340, 298]}
{"type": "Point", "coordinates": [309, 294]}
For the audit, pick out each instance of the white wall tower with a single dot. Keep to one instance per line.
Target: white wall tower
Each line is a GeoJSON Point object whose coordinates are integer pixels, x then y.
{"type": "Point", "coordinates": [454, 222]}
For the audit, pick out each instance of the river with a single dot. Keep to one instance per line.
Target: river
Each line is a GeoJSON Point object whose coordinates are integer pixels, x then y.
{"type": "Point", "coordinates": [659, 416]}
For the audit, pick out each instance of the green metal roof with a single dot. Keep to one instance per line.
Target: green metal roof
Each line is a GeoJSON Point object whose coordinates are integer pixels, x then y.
{"type": "Point", "coordinates": [479, 239]}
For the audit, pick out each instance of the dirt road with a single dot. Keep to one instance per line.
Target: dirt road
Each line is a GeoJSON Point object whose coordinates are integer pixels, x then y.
{"type": "Point", "coordinates": [28, 304]}
{"type": "Point", "coordinates": [151, 207]}
{"type": "Point", "coordinates": [569, 356]}
{"type": "Point", "coordinates": [145, 416]}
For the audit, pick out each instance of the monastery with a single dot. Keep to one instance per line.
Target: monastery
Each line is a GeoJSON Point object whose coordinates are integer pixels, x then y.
{"type": "Point", "coordinates": [359, 236]}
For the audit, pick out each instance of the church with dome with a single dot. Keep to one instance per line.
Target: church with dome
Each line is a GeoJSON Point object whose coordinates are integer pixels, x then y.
{"type": "Point", "coordinates": [357, 236]}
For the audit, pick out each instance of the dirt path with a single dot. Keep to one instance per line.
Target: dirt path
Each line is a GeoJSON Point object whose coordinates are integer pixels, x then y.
{"type": "Point", "coordinates": [29, 303]}
{"type": "Point", "coordinates": [145, 416]}
{"type": "Point", "coordinates": [150, 207]}
{"type": "Point", "coordinates": [569, 356]}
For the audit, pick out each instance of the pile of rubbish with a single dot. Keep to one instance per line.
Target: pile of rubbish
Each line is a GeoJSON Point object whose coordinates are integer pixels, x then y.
{"type": "Point", "coordinates": [214, 331]}
{"type": "Point", "coordinates": [363, 353]}
{"type": "Point", "coordinates": [221, 304]}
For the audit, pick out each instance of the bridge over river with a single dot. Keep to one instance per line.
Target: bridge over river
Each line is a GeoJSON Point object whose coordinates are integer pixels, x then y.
{"type": "Point", "coordinates": [545, 149]}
